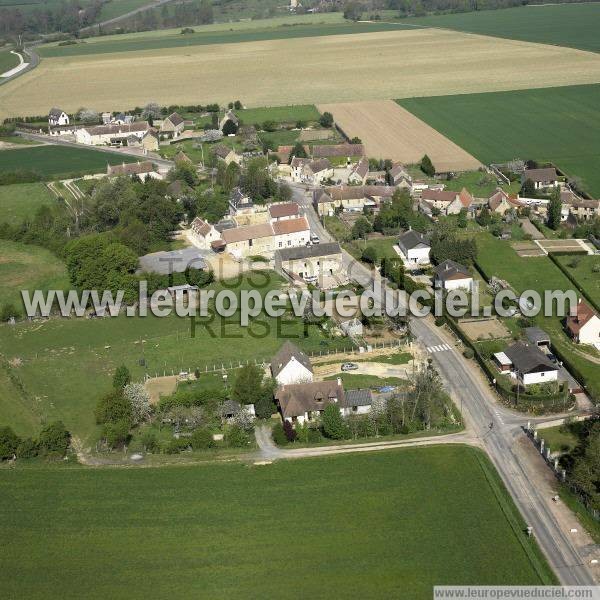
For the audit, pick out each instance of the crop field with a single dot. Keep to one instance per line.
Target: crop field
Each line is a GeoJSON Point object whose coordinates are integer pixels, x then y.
{"type": "Point", "coordinates": [560, 124]}
{"type": "Point", "coordinates": [421, 516]}
{"type": "Point", "coordinates": [573, 25]}
{"type": "Point", "coordinates": [420, 62]}
{"type": "Point", "coordinates": [56, 162]}
{"type": "Point", "coordinates": [22, 200]}
{"type": "Point", "coordinates": [65, 365]}
{"type": "Point", "coordinates": [389, 131]}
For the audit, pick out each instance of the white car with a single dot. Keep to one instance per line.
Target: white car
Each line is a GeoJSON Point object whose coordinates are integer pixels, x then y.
{"type": "Point", "coordinates": [314, 239]}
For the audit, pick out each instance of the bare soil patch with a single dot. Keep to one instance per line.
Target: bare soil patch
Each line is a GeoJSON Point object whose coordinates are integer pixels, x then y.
{"type": "Point", "coordinates": [489, 329]}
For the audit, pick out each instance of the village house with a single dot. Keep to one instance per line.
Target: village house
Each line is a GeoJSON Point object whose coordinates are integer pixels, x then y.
{"type": "Point", "coordinates": [500, 202]}
{"type": "Point", "coordinates": [177, 190]}
{"type": "Point", "coordinates": [448, 203]}
{"type": "Point", "coordinates": [290, 365]}
{"type": "Point", "coordinates": [281, 211]}
{"type": "Point", "coordinates": [584, 325]}
{"type": "Point", "coordinates": [583, 210]}
{"type": "Point", "coordinates": [350, 198]}
{"type": "Point", "coordinates": [527, 364]}
{"type": "Point", "coordinates": [172, 126]}
{"type": "Point", "coordinates": [305, 170]}
{"type": "Point", "coordinates": [359, 172]}
{"type": "Point", "coordinates": [182, 157]}
{"type": "Point", "coordinates": [226, 154]}
{"type": "Point", "coordinates": [347, 151]}
{"type": "Point", "coordinates": [150, 142]}
{"type": "Point", "coordinates": [414, 247]}
{"type": "Point", "coordinates": [310, 262]}
{"type": "Point", "coordinates": [143, 170]}
{"type": "Point", "coordinates": [114, 135]}
{"type": "Point", "coordinates": [229, 117]}
{"type": "Point", "coordinates": [451, 275]}
{"type": "Point", "coordinates": [400, 177]}
{"type": "Point", "coordinates": [61, 130]}
{"type": "Point", "coordinates": [240, 203]}
{"type": "Point", "coordinates": [57, 117]}
{"type": "Point", "coordinates": [203, 233]}
{"type": "Point", "coordinates": [541, 178]}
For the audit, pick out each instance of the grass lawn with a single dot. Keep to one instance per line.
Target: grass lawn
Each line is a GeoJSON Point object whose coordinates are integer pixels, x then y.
{"type": "Point", "coordinates": [583, 273]}
{"type": "Point", "coordinates": [116, 8]}
{"type": "Point", "coordinates": [279, 114]}
{"type": "Point", "coordinates": [481, 185]}
{"type": "Point", "coordinates": [174, 39]}
{"type": "Point", "coordinates": [496, 257]}
{"type": "Point", "coordinates": [279, 138]}
{"type": "Point", "coordinates": [560, 124]}
{"type": "Point", "coordinates": [557, 440]}
{"type": "Point", "coordinates": [29, 267]}
{"type": "Point", "coordinates": [337, 228]}
{"type": "Point", "coordinates": [7, 61]}
{"type": "Point", "coordinates": [357, 381]}
{"type": "Point", "coordinates": [56, 162]}
{"type": "Point", "coordinates": [19, 201]}
{"type": "Point", "coordinates": [543, 24]}
{"type": "Point", "coordinates": [187, 146]}
{"type": "Point", "coordinates": [418, 518]}
{"type": "Point", "coordinates": [384, 247]}
{"type": "Point", "coordinates": [67, 364]}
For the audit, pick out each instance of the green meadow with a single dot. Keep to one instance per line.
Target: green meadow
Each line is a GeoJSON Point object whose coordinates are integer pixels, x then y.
{"type": "Point", "coordinates": [22, 200]}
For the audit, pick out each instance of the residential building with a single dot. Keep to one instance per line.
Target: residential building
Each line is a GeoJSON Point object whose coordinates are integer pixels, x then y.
{"type": "Point", "coordinates": [57, 117]}
{"type": "Point", "coordinates": [282, 211]}
{"type": "Point", "coordinates": [240, 203]}
{"type": "Point", "coordinates": [305, 170]}
{"type": "Point", "coordinates": [182, 157]}
{"type": "Point", "coordinates": [537, 337]}
{"type": "Point", "coordinates": [110, 134]}
{"type": "Point", "coordinates": [283, 153]}
{"type": "Point", "coordinates": [348, 151]}
{"type": "Point", "coordinates": [310, 261]}
{"type": "Point", "coordinates": [500, 202]}
{"type": "Point", "coordinates": [584, 325]}
{"type": "Point", "coordinates": [451, 275]}
{"type": "Point", "coordinates": [529, 365]}
{"type": "Point", "coordinates": [203, 233]}
{"type": "Point", "coordinates": [356, 402]}
{"type": "Point", "coordinates": [400, 177]}
{"type": "Point", "coordinates": [229, 116]}
{"type": "Point", "coordinates": [290, 365]}
{"type": "Point", "coordinates": [414, 247]}
{"type": "Point", "coordinates": [350, 198]}
{"type": "Point", "coordinates": [541, 178]}
{"type": "Point", "coordinates": [172, 126]}
{"type": "Point", "coordinates": [226, 154]}
{"type": "Point", "coordinates": [150, 142]}
{"type": "Point", "coordinates": [584, 210]}
{"type": "Point", "coordinates": [447, 202]}
{"type": "Point", "coordinates": [143, 170]}
{"type": "Point", "coordinates": [305, 402]}
{"type": "Point", "coordinates": [358, 173]}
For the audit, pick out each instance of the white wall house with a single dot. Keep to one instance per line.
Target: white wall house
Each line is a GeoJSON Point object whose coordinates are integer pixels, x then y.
{"type": "Point", "coordinates": [584, 326]}
{"type": "Point", "coordinates": [530, 365]}
{"type": "Point", "coordinates": [290, 365]}
{"type": "Point", "coordinates": [56, 116]}
{"type": "Point", "coordinates": [414, 247]}
{"type": "Point", "coordinates": [451, 275]}
{"type": "Point", "coordinates": [203, 233]}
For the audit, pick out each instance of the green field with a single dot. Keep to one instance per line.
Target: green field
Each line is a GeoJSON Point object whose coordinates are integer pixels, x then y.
{"type": "Point", "coordinates": [67, 364]}
{"type": "Point", "coordinates": [561, 125]}
{"type": "Point", "coordinates": [7, 61]}
{"type": "Point", "coordinates": [22, 200]}
{"type": "Point", "coordinates": [557, 439]}
{"type": "Point", "coordinates": [583, 273]}
{"type": "Point", "coordinates": [357, 526]}
{"type": "Point", "coordinates": [116, 8]}
{"type": "Point", "coordinates": [233, 36]}
{"type": "Point", "coordinates": [29, 267]}
{"type": "Point", "coordinates": [572, 25]}
{"type": "Point", "coordinates": [56, 162]}
{"type": "Point", "coordinates": [496, 257]}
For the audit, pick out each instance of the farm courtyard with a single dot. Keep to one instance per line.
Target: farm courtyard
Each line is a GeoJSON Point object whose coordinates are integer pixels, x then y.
{"type": "Point", "coordinates": [420, 62]}
{"type": "Point", "coordinates": [354, 526]}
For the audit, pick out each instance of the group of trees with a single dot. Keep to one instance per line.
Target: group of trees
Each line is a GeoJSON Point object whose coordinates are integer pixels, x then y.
{"type": "Point", "coordinates": [53, 442]}
{"type": "Point", "coordinates": [446, 244]}
{"type": "Point", "coordinates": [399, 214]}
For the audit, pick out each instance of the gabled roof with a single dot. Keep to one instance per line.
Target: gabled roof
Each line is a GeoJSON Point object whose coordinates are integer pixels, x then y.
{"type": "Point", "coordinates": [465, 198]}
{"type": "Point", "coordinates": [356, 398]}
{"type": "Point", "coordinates": [238, 198]}
{"type": "Point", "coordinates": [398, 170]}
{"type": "Point", "coordinates": [113, 129]}
{"type": "Point", "coordinates": [55, 112]}
{"type": "Point", "coordinates": [291, 226]}
{"type": "Point", "coordinates": [200, 226]}
{"type": "Point", "coordinates": [181, 156]}
{"type": "Point", "coordinates": [302, 252]}
{"type": "Point", "coordinates": [316, 166]}
{"type": "Point", "coordinates": [338, 150]}
{"type": "Point", "coordinates": [438, 195]}
{"type": "Point", "coordinates": [130, 169]}
{"type": "Point", "coordinates": [178, 188]}
{"type": "Point", "coordinates": [451, 270]}
{"type": "Point", "coordinates": [353, 192]}
{"type": "Point", "coordinates": [585, 313]}
{"type": "Point", "coordinates": [361, 168]}
{"type": "Point", "coordinates": [540, 175]}
{"type": "Point", "coordinates": [300, 398]}
{"type": "Point", "coordinates": [175, 119]}
{"type": "Point", "coordinates": [283, 209]}
{"type": "Point", "coordinates": [497, 198]}
{"type": "Point", "coordinates": [528, 359]}
{"type": "Point", "coordinates": [250, 232]}
{"type": "Point", "coordinates": [536, 335]}
{"type": "Point", "coordinates": [285, 354]}
{"type": "Point", "coordinates": [411, 239]}
{"type": "Point", "coordinates": [222, 151]}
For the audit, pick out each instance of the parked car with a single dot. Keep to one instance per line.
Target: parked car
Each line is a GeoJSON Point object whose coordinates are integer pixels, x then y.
{"type": "Point", "coordinates": [314, 239]}
{"type": "Point", "coordinates": [386, 389]}
{"type": "Point", "coordinates": [349, 367]}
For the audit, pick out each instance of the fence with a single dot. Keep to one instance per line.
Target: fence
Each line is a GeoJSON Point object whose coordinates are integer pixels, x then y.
{"type": "Point", "coordinates": [560, 473]}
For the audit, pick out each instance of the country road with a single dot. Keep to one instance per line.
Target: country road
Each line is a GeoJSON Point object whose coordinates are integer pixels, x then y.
{"type": "Point", "coordinates": [124, 16]}
{"type": "Point", "coordinates": [499, 429]}
{"type": "Point", "coordinates": [31, 57]}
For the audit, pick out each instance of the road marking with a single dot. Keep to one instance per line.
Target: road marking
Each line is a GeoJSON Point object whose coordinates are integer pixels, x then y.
{"type": "Point", "coordinates": [438, 348]}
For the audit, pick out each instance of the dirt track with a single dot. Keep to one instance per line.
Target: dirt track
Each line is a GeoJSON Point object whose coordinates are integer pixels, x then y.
{"type": "Point", "coordinates": [390, 131]}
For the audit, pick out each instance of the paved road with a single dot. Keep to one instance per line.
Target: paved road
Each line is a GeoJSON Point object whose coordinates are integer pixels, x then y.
{"type": "Point", "coordinates": [498, 428]}
{"type": "Point", "coordinates": [31, 57]}
{"type": "Point", "coordinates": [99, 26]}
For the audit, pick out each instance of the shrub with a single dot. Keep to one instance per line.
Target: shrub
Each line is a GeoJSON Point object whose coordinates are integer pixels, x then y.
{"type": "Point", "coordinates": [326, 119]}
{"type": "Point", "coordinates": [54, 439]}
{"type": "Point", "coordinates": [27, 448]}
{"type": "Point", "coordinates": [468, 353]}
{"type": "Point", "coordinates": [149, 441]}
{"type": "Point", "coordinates": [113, 408]}
{"type": "Point", "coordinates": [201, 439]}
{"type": "Point", "coordinates": [333, 422]}
{"type": "Point", "coordinates": [289, 431]}
{"type": "Point", "coordinates": [116, 434]}
{"type": "Point", "coordinates": [9, 310]}
{"type": "Point", "coordinates": [279, 436]}
{"type": "Point", "coordinates": [314, 435]}
{"type": "Point", "coordinates": [9, 441]}
{"type": "Point", "coordinates": [236, 437]}
{"type": "Point", "coordinates": [175, 446]}
{"type": "Point", "coordinates": [440, 321]}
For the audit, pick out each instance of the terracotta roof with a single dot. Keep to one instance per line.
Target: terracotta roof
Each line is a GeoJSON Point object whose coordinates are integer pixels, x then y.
{"type": "Point", "coordinates": [438, 196]}
{"type": "Point", "coordinates": [200, 227]}
{"type": "Point", "coordinates": [496, 199]}
{"type": "Point", "coordinates": [285, 354]}
{"type": "Point", "coordinates": [251, 232]}
{"type": "Point", "coordinates": [131, 169]}
{"type": "Point", "coordinates": [283, 152]}
{"type": "Point", "coordinates": [297, 399]}
{"type": "Point", "coordinates": [283, 209]}
{"type": "Point", "coordinates": [465, 198]}
{"type": "Point", "coordinates": [584, 314]}
{"type": "Point", "coordinates": [339, 150]}
{"type": "Point", "coordinates": [290, 226]}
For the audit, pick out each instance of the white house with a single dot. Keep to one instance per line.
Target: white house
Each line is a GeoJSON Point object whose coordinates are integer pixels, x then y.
{"type": "Point", "coordinates": [584, 326]}
{"type": "Point", "coordinates": [530, 365]}
{"type": "Point", "coordinates": [203, 233]}
{"type": "Point", "coordinates": [415, 247]}
{"type": "Point", "coordinates": [358, 173]}
{"type": "Point", "coordinates": [111, 134]}
{"type": "Point", "coordinates": [57, 116]}
{"type": "Point", "coordinates": [448, 203]}
{"type": "Point", "coordinates": [541, 178]}
{"type": "Point", "coordinates": [451, 275]}
{"type": "Point", "coordinates": [305, 170]}
{"type": "Point", "coordinates": [291, 365]}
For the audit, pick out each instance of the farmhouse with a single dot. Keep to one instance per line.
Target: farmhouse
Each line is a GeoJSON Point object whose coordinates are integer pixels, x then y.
{"type": "Point", "coordinates": [282, 211]}
{"type": "Point", "coordinates": [530, 365]}
{"type": "Point", "coordinates": [400, 177]}
{"type": "Point", "coordinates": [347, 151]}
{"type": "Point", "coordinates": [448, 203]}
{"type": "Point", "coordinates": [451, 275]}
{"type": "Point", "coordinates": [203, 233]}
{"type": "Point", "coordinates": [584, 210]}
{"type": "Point", "coordinates": [283, 153]}
{"type": "Point", "coordinates": [500, 202]}
{"type": "Point", "coordinates": [57, 116]}
{"type": "Point", "coordinates": [584, 326]}
{"type": "Point", "coordinates": [226, 154]}
{"type": "Point", "coordinates": [150, 142]}
{"type": "Point", "coordinates": [415, 247]}
{"type": "Point", "coordinates": [291, 365]}
{"type": "Point", "coordinates": [310, 261]}
{"type": "Point", "coordinates": [302, 402]}
{"type": "Point", "coordinates": [541, 178]}
{"type": "Point", "coordinates": [172, 126]}
{"type": "Point", "coordinates": [143, 170]}
{"type": "Point", "coordinates": [351, 198]}
{"type": "Point", "coordinates": [358, 173]}
{"type": "Point", "coordinates": [110, 134]}
{"type": "Point", "coordinates": [304, 170]}
{"type": "Point", "coordinates": [229, 117]}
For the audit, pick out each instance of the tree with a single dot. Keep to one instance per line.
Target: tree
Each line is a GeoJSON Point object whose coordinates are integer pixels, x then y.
{"type": "Point", "coordinates": [289, 431]}
{"type": "Point", "coordinates": [427, 166]}
{"type": "Point", "coordinates": [554, 209]}
{"type": "Point", "coordinates": [484, 218]}
{"type": "Point", "coordinates": [237, 105]}
{"type": "Point", "coordinates": [54, 439]}
{"type": "Point", "coordinates": [369, 254]}
{"type": "Point", "coordinates": [113, 407]}
{"type": "Point", "coordinates": [298, 151]}
{"type": "Point", "coordinates": [229, 127]}
{"type": "Point", "coordinates": [139, 399]}
{"type": "Point", "coordinates": [447, 245]}
{"type": "Point", "coordinates": [8, 311]}
{"type": "Point", "coordinates": [326, 120]}
{"type": "Point", "coordinates": [248, 385]}
{"type": "Point", "coordinates": [87, 115]}
{"type": "Point", "coordinates": [361, 228]}
{"type": "Point", "coordinates": [27, 448]}
{"type": "Point", "coordinates": [461, 219]}
{"type": "Point", "coordinates": [393, 269]}
{"type": "Point", "coordinates": [236, 437]}
{"type": "Point", "coordinates": [528, 189]}
{"type": "Point", "coordinates": [121, 377]}
{"type": "Point", "coordinates": [333, 423]}
{"type": "Point", "coordinates": [353, 11]}
{"type": "Point", "coordinates": [116, 434]}
{"type": "Point", "coordinates": [356, 140]}
{"type": "Point", "coordinates": [153, 110]}
{"type": "Point", "coordinates": [265, 406]}
{"type": "Point", "coordinates": [202, 438]}
{"type": "Point", "coordinates": [9, 442]}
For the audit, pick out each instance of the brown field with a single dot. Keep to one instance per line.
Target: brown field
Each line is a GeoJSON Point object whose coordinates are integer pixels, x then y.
{"type": "Point", "coordinates": [395, 64]}
{"type": "Point", "coordinates": [488, 329]}
{"type": "Point", "coordinates": [390, 131]}
{"type": "Point", "coordinates": [527, 249]}
{"type": "Point", "coordinates": [561, 245]}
